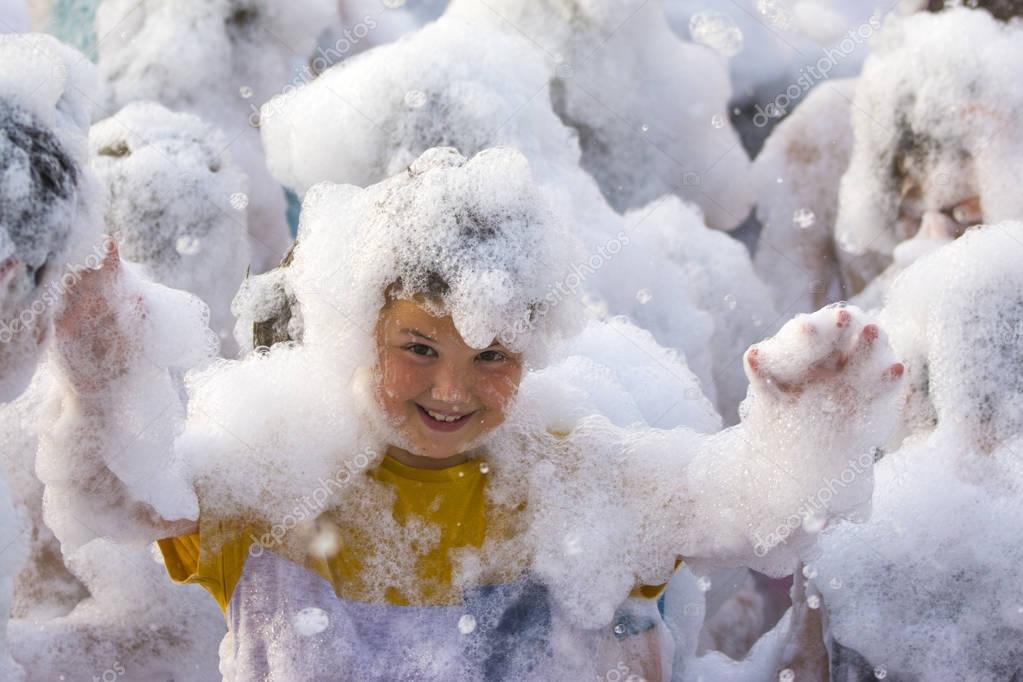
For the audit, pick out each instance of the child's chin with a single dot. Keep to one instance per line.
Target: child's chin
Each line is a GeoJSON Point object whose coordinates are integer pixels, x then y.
{"type": "Point", "coordinates": [449, 450]}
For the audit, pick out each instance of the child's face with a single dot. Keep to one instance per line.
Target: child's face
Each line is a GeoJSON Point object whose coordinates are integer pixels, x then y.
{"type": "Point", "coordinates": [943, 205]}
{"type": "Point", "coordinates": [429, 375]}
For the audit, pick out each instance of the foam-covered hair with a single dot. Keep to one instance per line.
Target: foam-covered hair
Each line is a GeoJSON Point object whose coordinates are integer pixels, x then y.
{"type": "Point", "coordinates": [999, 9]}
{"type": "Point", "coordinates": [45, 194]}
{"type": "Point", "coordinates": [474, 237]}
{"type": "Point", "coordinates": [170, 184]}
{"type": "Point", "coordinates": [938, 97]}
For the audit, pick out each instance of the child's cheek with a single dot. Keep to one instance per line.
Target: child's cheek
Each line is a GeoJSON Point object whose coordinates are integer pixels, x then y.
{"type": "Point", "coordinates": [498, 388]}
{"type": "Point", "coordinates": [403, 378]}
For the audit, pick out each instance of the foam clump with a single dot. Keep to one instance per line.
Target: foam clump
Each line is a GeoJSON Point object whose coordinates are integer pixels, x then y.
{"type": "Point", "coordinates": [953, 315]}
{"type": "Point", "coordinates": [930, 556]}
{"type": "Point", "coordinates": [593, 51]}
{"type": "Point", "coordinates": [106, 605]}
{"type": "Point", "coordinates": [618, 370]}
{"type": "Point", "coordinates": [229, 57]}
{"type": "Point", "coordinates": [713, 304]}
{"type": "Point", "coordinates": [228, 47]}
{"type": "Point", "coordinates": [412, 95]}
{"type": "Point", "coordinates": [173, 202]}
{"type": "Point", "coordinates": [797, 175]}
{"type": "Point", "coordinates": [97, 464]}
{"type": "Point", "coordinates": [47, 214]}
{"type": "Point", "coordinates": [43, 587]}
{"type": "Point", "coordinates": [134, 624]}
{"type": "Point", "coordinates": [959, 347]}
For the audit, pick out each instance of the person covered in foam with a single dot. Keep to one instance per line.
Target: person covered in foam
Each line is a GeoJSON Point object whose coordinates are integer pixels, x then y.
{"type": "Point", "coordinates": [175, 201]}
{"type": "Point", "coordinates": [46, 198]}
{"type": "Point", "coordinates": [934, 597]}
{"type": "Point", "coordinates": [881, 170]}
{"type": "Point", "coordinates": [218, 60]}
{"type": "Point", "coordinates": [47, 218]}
{"type": "Point", "coordinates": [406, 489]}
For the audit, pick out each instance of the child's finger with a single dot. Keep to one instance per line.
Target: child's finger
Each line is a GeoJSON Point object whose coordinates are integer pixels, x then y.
{"type": "Point", "coordinates": [753, 360]}
{"type": "Point", "coordinates": [894, 372]}
{"type": "Point", "coordinates": [111, 255]}
{"type": "Point", "coordinates": [863, 342]}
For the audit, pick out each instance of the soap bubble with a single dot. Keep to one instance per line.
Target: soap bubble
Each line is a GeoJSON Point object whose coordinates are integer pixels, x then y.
{"type": "Point", "coordinates": [466, 624]}
{"type": "Point", "coordinates": [717, 31]}
{"type": "Point", "coordinates": [311, 621]}
{"type": "Point", "coordinates": [187, 245]}
{"type": "Point", "coordinates": [804, 218]}
{"type": "Point", "coordinates": [415, 99]}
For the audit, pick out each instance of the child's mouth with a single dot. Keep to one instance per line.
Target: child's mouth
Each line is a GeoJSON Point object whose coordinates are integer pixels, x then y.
{"type": "Point", "coordinates": [441, 422]}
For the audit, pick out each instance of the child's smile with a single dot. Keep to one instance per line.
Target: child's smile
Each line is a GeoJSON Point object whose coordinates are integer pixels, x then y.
{"type": "Point", "coordinates": [443, 421]}
{"type": "Point", "coordinates": [441, 394]}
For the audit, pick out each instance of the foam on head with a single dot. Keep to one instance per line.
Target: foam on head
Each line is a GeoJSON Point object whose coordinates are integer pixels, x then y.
{"type": "Point", "coordinates": [229, 56]}
{"type": "Point", "coordinates": [219, 47]}
{"type": "Point", "coordinates": [170, 188]}
{"type": "Point", "coordinates": [46, 198]}
{"type": "Point", "coordinates": [935, 95]}
{"type": "Point", "coordinates": [478, 229]}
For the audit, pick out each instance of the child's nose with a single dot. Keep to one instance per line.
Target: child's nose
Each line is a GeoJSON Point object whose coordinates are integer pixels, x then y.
{"type": "Point", "coordinates": [937, 225]}
{"type": "Point", "coordinates": [450, 385]}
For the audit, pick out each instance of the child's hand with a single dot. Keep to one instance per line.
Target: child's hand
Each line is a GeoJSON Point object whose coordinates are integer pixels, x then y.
{"type": "Point", "coordinates": [98, 332]}
{"type": "Point", "coordinates": [836, 353]}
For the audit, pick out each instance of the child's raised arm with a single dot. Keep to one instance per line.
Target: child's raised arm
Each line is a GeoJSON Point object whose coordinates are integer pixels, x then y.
{"type": "Point", "coordinates": [107, 461]}
{"type": "Point", "coordinates": [821, 403]}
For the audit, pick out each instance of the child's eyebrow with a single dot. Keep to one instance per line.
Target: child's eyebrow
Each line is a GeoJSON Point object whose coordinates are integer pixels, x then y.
{"type": "Point", "coordinates": [416, 332]}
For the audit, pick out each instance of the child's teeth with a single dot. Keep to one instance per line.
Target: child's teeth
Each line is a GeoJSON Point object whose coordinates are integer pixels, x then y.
{"type": "Point", "coordinates": [441, 417]}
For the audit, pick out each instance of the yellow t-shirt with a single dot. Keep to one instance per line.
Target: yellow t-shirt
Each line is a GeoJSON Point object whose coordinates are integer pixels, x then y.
{"type": "Point", "coordinates": [451, 504]}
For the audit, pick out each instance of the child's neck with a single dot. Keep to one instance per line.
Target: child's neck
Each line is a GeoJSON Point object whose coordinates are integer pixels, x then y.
{"type": "Point", "coordinates": [420, 462]}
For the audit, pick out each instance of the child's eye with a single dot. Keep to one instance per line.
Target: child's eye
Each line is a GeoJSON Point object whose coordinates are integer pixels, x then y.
{"type": "Point", "coordinates": [421, 349]}
{"type": "Point", "coordinates": [968, 213]}
{"type": "Point", "coordinates": [492, 356]}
